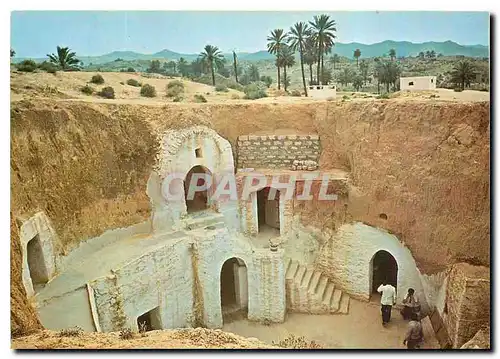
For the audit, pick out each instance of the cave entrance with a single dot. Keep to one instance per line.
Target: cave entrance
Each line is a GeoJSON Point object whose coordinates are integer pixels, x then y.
{"type": "Point", "coordinates": [149, 321]}
{"type": "Point", "coordinates": [384, 266]}
{"type": "Point", "coordinates": [268, 211]}
{"type": "Point", "coordinates": [234, 290]}
{"type": "Point", "coordinates": [36, 263]}
{"type": "Point", "coordinates": [196, 186]}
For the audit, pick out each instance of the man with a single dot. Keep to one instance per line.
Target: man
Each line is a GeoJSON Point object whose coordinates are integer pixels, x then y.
{"type": "Point", "coordinates": [411, 304]}
{"type": "Point", "coordinates": [387, 301]}
{"type": "Point", "coordinates": [415, 335]}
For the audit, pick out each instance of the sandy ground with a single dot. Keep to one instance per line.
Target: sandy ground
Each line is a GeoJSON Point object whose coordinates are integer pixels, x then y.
{"type": "Point", "coordinates": [67, 85]}
{"type": "Point", "coordinates": [361, 328]}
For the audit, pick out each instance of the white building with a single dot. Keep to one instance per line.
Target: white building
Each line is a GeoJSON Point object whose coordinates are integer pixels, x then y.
{"type": "Point", "coordinates": [417, 83]}
{"type": "Point", "coordinates": [322, 91]}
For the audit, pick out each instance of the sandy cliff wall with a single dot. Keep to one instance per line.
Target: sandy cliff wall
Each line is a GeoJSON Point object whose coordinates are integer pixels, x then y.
{"type": "Point", "coordinates": [423, 164]}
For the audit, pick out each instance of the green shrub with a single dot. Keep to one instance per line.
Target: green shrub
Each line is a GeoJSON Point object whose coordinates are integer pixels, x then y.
{"type": "Point", "coordinates": [133, 82]}
{"type": "Point", "coordinates": [97, 79]}
{"type": "Point", "coordinates": [26, 66]}
{"type": "Point", "coordinates": [296, 93]}
{"type": "Point", "coordinates": [175, 83]}
{"type": "Point", "coordinates": [107, 92]}
{"type": "Point", "coordinates": [174, 88]}
{"type": "Point", "coordinates": [87, 90]}
{"type": "Point", "coordinates": [48, 67]}
{"type": "Point", "coordinates": [148, 91]}
{"type": "Point", "coordinates": [221, 88]}
{"type": "Point", "coordinates": [126, 334]}
{"type": "Point", "coordinates": [130, 69]}
{"type": "Point", "coordinates": [255, 90]}
{"type": "Point", "coordinates": [235, 96]}
{"type": "Point", "coordinates": [384, 96]}
{"type": "Point", "coordinates": [199, 98]}
{"type": "Point", "coordinates": [457, 89]}
{"type": "Point", "coordinates": [345, 97]}
{"type": "Point", "coordinates": [484, 89]}
{"type": "Point", "coordinates": [178, 99]}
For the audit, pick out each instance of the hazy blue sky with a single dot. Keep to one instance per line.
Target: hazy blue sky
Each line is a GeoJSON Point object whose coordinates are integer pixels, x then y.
{"type": "Point", "coordinates": [36, 33]}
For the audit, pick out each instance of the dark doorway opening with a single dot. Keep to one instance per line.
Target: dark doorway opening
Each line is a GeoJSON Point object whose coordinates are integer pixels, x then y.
{"type": "Point", "coordinates": [199, 198]}
{"type": "Point", "coordinates": [268, 210]}
{"type": "Point", "coordinates": [149, 321]}
{"type": "Point", "coordinates": [36, 263]}
{"type": "Point", "coordinates": [234, 290]}
{"type": "Point", "coordinates": [384, 267]}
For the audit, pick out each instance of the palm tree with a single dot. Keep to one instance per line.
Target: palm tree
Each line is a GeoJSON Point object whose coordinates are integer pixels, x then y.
{"type": "Point", "coordinates": [310, 56]}
{"type": "Point", "coordinates": [357, 54]}
{"type": "Point", "coordinates": [428, 54]}
{"type": "Point", "coordinates": [357, 82]}
{"type": "Point", "coordinates": [286, 59]}
{"type": "Point", "coordinates": [323, 30]}
{"type": "Point", "coordinates": [335, 59]}
{"type": "Point", "coordinates": [274, 44]}
{"type": "Point", "coordinates": [392, 54]}
{"type": "Point", "coordinates": [253, 73]}
{"type": "Point", "coordinates": [182, 65]}
{"type": "Point", "coordinates": [65, 59]}
{"type": "Point", "coordinates": [235, 67]}
{"type": "Point", "coordinates": [432, 54]}
{"type": "Point", "coordinates": [389, 73]}
{"type": "Point", "coordinates": [377, 72]}
{"type": "Point", "coordinates": [363, 66]}
{"type": "Point", "coordinates": [12, 53]}
{"type": "Point", "coordinates": [463, 73]}
{"type": "Point", "coordinates": [297, 37]}
{"type": "Point", "coordinates": [213, 58]}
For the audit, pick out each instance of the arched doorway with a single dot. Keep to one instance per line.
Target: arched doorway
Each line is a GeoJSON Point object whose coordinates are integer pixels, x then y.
{"type": "Point", "coordinates": [384, 266]}
{"type": "Point", "coordinates": [268, 211]}
{"type": "Point", "coordinates": [36, 263]}
{"type": "Point", "coordinates": [196, 192]}
{"type": "Point", "coordinates": [234, 289]}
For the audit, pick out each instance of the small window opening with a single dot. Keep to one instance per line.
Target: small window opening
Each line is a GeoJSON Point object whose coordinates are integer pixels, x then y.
{"type": "Point", "coordinates": [311, 87]}
{"type": "Point", "coordinates": [198, 153]}
{"type": "Point", "coordinates": [149, 321]}
{"type": "Point", "coordinates": [432, 81]}
{"type": "Point", "coordinates": [383, 216]}
{"type": "Point", "coordinates": [410, 83]}
{"type": "Point", "coordinates": [318, 88]}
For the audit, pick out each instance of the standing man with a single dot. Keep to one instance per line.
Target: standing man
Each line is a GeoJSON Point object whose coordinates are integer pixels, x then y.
{"type": "Point", "coordinates": [415, 334]}
{"type": "Point", "coordinates": [387, 301]}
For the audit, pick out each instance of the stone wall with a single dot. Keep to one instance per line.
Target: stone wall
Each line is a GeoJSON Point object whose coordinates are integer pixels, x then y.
{"type": "Point", "coordinates": [164, 278]}
{"type": "Point", "coordinates": [347, 259]}
{"type": "Point", "coordinates": [467, 302]}
{"type": "Point", "coordinates": [277, 151]}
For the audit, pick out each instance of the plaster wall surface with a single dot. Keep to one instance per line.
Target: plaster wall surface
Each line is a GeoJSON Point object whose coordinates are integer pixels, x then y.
{"type": "Point", "coordinates": [163, 278]}
{"type": "Point", "coordinates": [347, 259]}
{"type": "Point", "coordinates": [182, 150]}
{"type": "Point", "coordinates": [67, 311]}
{"type": "Point", "coordinates": [324, 91]}
{"type": "Point", "coordinates": [276, 151]}
{"type": "Point", "coordinates": [37, 228]}
{"type": "Point", "coordinates": [417, 83]}
{"type": "Point", "coordinates": [434, 289]}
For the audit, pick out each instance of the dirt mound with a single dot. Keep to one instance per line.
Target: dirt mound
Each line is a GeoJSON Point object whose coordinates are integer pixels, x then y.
{"type": "Point", "coordinates": [158, 339]}
{"type": "Point", "coordinates": [23, 317]}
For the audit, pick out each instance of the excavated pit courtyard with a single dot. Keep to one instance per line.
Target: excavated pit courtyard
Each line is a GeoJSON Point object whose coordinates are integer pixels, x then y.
{"type": "Point", "coordinates": [257, 267]}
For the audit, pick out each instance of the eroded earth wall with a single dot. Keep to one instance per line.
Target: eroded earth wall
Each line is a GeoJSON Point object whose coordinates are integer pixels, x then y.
{"type": "Point", "coordinates": [425, 165]}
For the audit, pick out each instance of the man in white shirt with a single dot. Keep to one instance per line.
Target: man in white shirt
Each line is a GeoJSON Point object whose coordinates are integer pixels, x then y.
{"type": "Point", "coordinates": [387, 301]}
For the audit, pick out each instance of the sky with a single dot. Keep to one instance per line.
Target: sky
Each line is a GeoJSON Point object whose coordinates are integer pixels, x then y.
{"type": "Point", "coordinates": [93, 33]}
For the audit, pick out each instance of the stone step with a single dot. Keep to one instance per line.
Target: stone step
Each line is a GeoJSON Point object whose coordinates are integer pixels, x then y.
{"type": "Point", "coordinates": [314, 282]}
{"type": "Point", "coordinates": [344, 304]}
{"type": "Point", "coordinates": [335, 303]}
{"type": "Point", "coordinates": [299, 275]}
{"type": "Point", "coordinates": [327, 296]}
{"type": "Point", "coordinates": [322, 286]}
{"type": "Point", "coordinates": [204, 221]}
{"type": "Point", "coordinates": [307, 278]}
{"type": "Point", "coordinates": [292, 269]}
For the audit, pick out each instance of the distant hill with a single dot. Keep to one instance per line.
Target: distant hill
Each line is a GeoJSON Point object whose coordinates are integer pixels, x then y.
{"type": "Point", "coordinates": [403, 48]}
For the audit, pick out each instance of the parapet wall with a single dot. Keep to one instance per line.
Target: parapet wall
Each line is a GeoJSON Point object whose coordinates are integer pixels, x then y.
{"type": "Point", "coordinates": [277, 151]}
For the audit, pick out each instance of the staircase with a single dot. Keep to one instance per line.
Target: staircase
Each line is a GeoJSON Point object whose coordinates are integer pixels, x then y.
{"type": "Point", "coordinates": [309, 291]}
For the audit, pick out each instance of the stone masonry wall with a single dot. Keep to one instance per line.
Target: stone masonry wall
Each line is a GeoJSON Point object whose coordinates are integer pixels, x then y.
{"type": "Point", "coordinates": [277, 151]}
